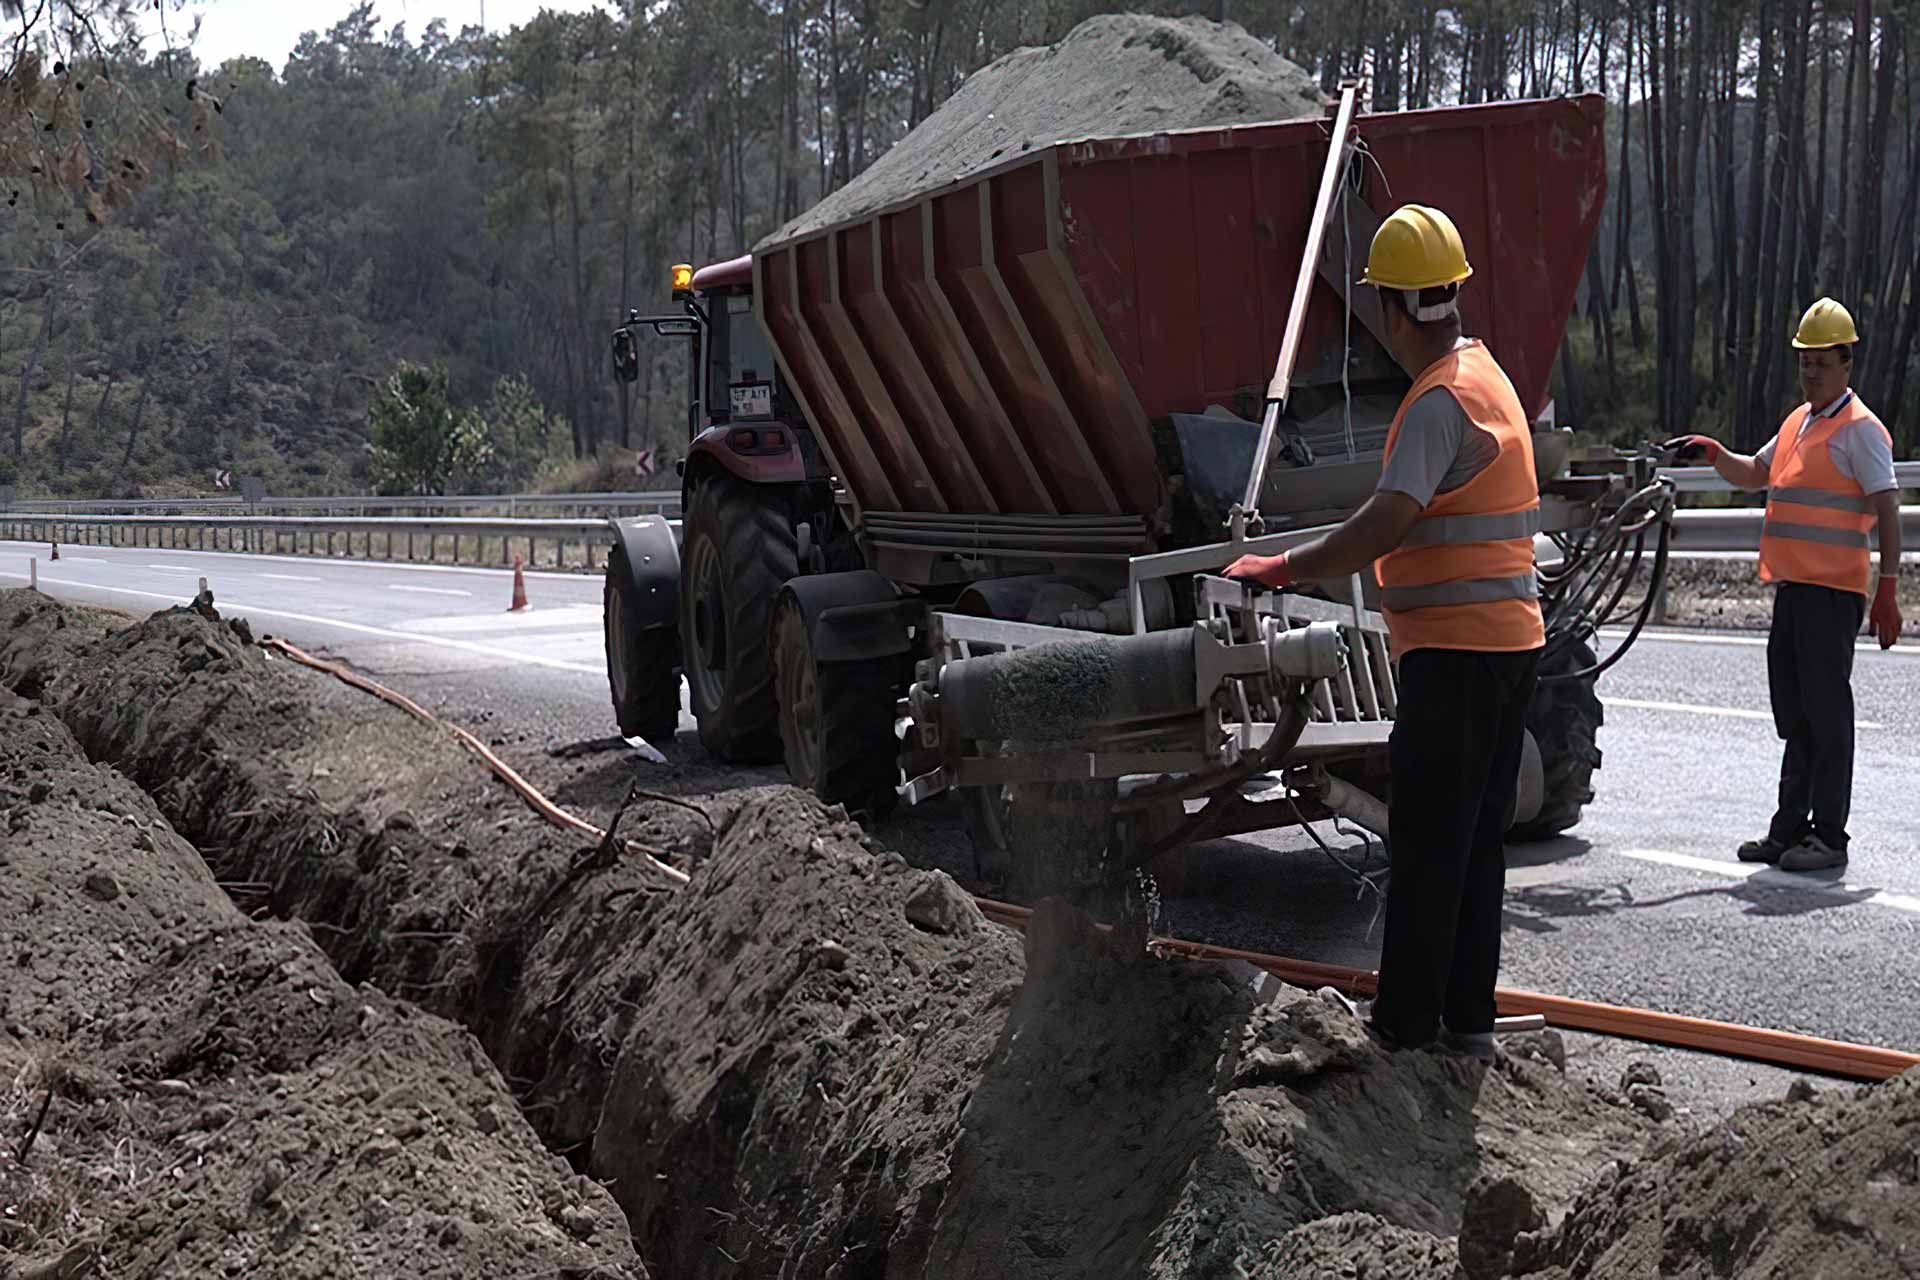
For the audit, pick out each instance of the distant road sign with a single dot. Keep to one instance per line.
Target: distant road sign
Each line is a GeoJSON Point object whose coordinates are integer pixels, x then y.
{"type": "Point", "coordinates": [252, 488]}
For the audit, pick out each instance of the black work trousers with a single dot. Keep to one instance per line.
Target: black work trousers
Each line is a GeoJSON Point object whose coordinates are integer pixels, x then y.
{"type": "Point", "coordinates": [1455, 755]}
{"type": "Point", "coordinates": [1810, 675]}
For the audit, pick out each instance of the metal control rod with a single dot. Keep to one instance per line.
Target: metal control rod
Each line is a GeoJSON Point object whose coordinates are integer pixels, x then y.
{"type": "Point", "coordinates": [1281, 386]}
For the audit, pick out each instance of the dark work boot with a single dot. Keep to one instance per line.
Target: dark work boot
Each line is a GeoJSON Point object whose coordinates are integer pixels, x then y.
{"type": "Point", "coordinates": [1812, 854]}
{"type": "Point", "coordinates": [1765, 849]}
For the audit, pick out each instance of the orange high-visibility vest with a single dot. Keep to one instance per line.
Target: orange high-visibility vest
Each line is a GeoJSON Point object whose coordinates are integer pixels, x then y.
{"type": "Point", "coordinates": [1464, 576]}
{"type": "Point", "coordinates": [1817, 519]}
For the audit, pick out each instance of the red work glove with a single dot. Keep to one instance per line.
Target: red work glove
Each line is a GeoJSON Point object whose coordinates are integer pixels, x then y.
{"type": "Point", "coordinates": [1687, 448]}
{"type": "Point", "coordinates": [1269, 571]}
{"type": "Point", "coordinates": [1884, 618]}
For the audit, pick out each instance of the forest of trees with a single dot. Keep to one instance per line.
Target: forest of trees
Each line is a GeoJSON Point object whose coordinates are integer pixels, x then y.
{"type": "Point", "coordinates": [239, 289]}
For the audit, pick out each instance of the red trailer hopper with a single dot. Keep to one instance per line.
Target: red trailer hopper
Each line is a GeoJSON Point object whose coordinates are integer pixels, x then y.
{"type": "Point", "coordinates": [1003, 345]}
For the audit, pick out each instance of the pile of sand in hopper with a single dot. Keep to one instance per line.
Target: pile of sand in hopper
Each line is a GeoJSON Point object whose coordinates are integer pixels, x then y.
{"type": "Point", "coordinates": [1113, 75]}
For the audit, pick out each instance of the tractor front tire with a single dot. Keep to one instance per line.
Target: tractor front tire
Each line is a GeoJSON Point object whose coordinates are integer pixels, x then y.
{"type": "Point", "coordinates": [643, 662]}
{"type": "Point", "coordinates": [836, 720]}
{"type": "Point", "coordinates": [738, 549]}
{"type": "Point", "coordinates": [1565, 719]}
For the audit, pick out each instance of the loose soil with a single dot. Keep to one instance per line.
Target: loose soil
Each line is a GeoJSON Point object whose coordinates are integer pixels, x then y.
{"type": "Point", "coordinates": [1826, 1186]}
{"type": "Point", "coordinates": [814, 1061]}
{"type": "Point", "coordinates": [1113, 75]}
{"type": "Point", "coordinates": [211, 1098]}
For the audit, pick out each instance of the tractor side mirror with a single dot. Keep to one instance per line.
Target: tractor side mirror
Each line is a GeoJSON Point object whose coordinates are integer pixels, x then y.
{"type": "Point", "coordinates": [677, 327]}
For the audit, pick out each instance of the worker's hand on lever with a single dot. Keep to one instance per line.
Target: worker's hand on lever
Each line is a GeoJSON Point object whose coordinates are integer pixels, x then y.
{"type": "Point", "coordinates": [1268, 571]}
{"type": "Point", "coordinates": [1693, 448]}
{"type": "Point", "coordinates": [1884, 618]}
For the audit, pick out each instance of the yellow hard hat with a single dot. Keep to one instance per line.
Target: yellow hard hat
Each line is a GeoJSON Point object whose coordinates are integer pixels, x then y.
{"type": "Point", "coordinates": [1826, 324]}
{"type": "Point", "coordinates": [1416, 248]}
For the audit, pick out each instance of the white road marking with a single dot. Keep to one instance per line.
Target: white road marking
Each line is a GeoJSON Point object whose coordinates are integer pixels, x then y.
{"type": "Point", "coordinates": [1751, 642]}
{"type": "Point", "coordinates": [463, 646]}
{"type": "Point", "coordinates": [1694, 708]}
{"type": "Point", "coordinates": [1773, 878]}
{"type": "Point", "coordinates": [578, 616]}
{"type": "Point", "coordinates": [172, 568]}
{"type": "Point", "coordinates": [429, 591]}
{"type": "Point", "coordinates": [290, 577]}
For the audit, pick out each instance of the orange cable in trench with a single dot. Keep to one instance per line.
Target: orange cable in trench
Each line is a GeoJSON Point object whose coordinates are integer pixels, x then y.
{"type": "Point", "coordinates": [527, 791]}
{"type": "Point", "coordinates": [1726, 1039]}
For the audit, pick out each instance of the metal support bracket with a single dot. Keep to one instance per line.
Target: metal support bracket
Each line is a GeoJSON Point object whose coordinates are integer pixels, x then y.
{"type": "Point", "coordinates": [1245, 515]}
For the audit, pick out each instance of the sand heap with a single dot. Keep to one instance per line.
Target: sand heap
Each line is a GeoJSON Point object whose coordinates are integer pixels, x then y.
{"type": "Point", "coordinates": [1113, 75]}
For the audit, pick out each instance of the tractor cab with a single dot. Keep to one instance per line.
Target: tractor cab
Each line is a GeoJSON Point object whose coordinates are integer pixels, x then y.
{"type": "Point", "coordinates": [740, 414]}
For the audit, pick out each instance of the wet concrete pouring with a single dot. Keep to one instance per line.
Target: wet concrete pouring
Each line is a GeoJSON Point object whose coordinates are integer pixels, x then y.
{"type": "Point", "coordinates": [296, 987]}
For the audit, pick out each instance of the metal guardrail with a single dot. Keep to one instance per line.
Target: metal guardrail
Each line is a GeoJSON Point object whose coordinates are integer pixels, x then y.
{"type": "Point", "coordinates": [1738, 529]}
{"type": "Point", "coordinates": [465, 539]}
{"type": "Point", "coordinates": [494, 540]}
{"type": "Point", "coordinates": [1707, 480]}
{"type": "Point", "coordinates": [510, 505]}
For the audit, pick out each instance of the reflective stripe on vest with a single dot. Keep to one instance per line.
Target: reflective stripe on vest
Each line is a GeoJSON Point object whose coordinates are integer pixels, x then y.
{"type": "Point", "coordinates": [1434, 530]}
{"type": "Point", "coordinates": [1820, 498]}
{"type": "Point", "coordinates": [1463, 577]}
{"type": "Point", "coordinates": [1473, 591]}
{"type": "Point", "coordinates": [1775, 528]}
{"type": "Point", "coordinates": [1818, 518]}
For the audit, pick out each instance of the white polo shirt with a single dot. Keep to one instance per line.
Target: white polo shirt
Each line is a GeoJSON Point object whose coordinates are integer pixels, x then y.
{"type": "Point", "coordinates": [1860, 449]}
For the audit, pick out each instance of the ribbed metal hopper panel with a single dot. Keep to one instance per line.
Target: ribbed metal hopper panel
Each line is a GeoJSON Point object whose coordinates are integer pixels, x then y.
{"type": "Point", "coordinates": [824, 307]}
{"type": "Point", "coordinates": [1062, 337]}
{"type": "Point", "coordinates": [969, 275]}
{"type": "Point", "coordinates": [947, 359]}
{"type": "Point", "coordinates": [886, 347]}
{"type": "Point", "coordinates": [777, 293]}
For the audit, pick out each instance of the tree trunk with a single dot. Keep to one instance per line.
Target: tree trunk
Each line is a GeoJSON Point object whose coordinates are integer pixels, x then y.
{"type": "Point", "coordinates": [133, 429]}
{"type": "Point", "coordinates": [34, 353]}
{"type": "Point", "coordinates": [100, 409]}
{"type": "Point", "coordinates": [1748, 284]}
{"type": "Point", "coordinates": [1856, 164]}
{"type": "Point", "coordinates": [66, 414]}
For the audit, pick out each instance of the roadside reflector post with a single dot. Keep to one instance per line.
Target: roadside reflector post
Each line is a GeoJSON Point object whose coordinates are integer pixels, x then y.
{"type": "Point", "coordinates": [33, 573]}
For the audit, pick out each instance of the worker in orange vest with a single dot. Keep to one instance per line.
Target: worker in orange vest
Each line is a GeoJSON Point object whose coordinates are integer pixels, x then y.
{"type": "Point", "coordinates": [1449, 531]}
{"type": "Point", "coordinates": [1829, 476]}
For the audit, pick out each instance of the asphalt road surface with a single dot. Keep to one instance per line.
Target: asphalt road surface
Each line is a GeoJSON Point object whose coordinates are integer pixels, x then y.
{"type": "Point", "coordinates": [1644, 904]}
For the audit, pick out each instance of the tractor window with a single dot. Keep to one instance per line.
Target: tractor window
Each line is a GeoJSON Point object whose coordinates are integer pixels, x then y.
{"type": "Point", "coordinates": [750, 362]}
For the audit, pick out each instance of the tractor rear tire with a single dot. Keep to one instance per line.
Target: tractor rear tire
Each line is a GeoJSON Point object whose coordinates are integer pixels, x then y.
{"type": "Point", "coordinates": [836, 720]}
{"type": "Point", "coordinates": [1565, 719]}
{"type": "Point", "coordinates": [738, 548]}
{"type": "Point", "coordinates": [643, 662]}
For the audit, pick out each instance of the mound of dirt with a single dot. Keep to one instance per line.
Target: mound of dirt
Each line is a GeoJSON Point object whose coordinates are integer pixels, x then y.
{"type": "Point", "coordinates": [425, 876]}
{"type": "Point", "coordinates": [1826, 1187]}
{"type": "Point", "coordinates": [209, 1098]}
{"type": "Point", "coordinates": [1113, 75]}
{"type": "Point", "coordinates": [1146, 1117]}
{"type": "Point", "coordinates": [812, 1016]}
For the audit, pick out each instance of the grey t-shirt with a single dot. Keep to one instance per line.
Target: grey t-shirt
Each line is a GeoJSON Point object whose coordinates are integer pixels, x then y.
{"type": "Point", "coordinates": [1439, 449]}
{"type": "Point", "coordinates": [1860, 450]}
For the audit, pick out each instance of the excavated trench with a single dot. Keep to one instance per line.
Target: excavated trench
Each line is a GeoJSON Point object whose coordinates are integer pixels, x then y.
{"type": "Point", "coordinates": [817, 1060]}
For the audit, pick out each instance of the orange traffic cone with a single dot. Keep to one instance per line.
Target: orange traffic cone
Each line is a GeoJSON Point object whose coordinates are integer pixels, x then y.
{"type": "Point", "coordinates": [519, 588]}
{"type": "Point", "coordinates": [56, 552]}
